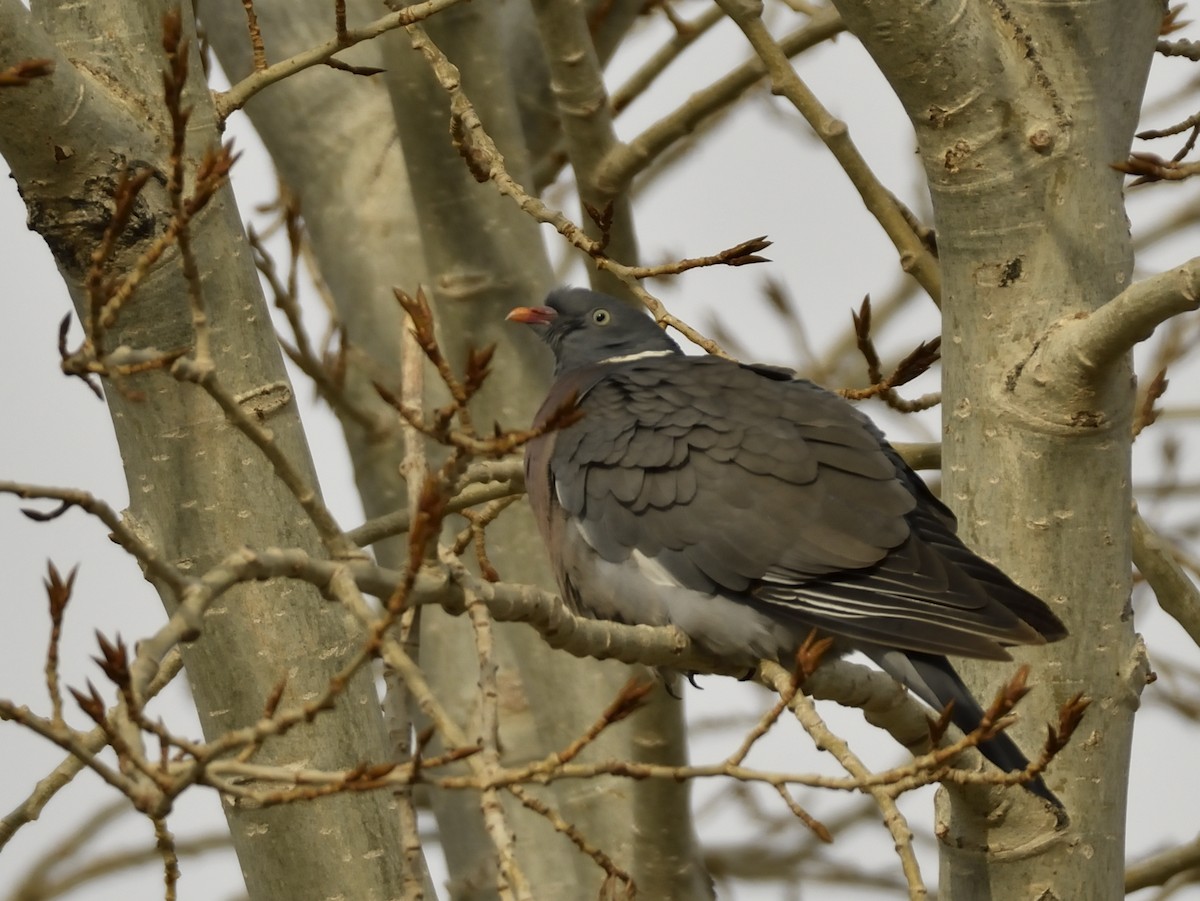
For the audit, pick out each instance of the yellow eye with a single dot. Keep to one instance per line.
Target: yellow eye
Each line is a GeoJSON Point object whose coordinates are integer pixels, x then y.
{"type": "Point", "coordinates": [601, 317]}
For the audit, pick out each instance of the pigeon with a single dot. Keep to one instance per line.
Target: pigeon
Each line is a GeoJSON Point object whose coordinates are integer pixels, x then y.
{"type": "Point", "coordinates": [750, 507]}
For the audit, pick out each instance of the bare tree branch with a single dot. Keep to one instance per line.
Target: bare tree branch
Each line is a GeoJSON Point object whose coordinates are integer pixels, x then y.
{"type": "Point", "coordinates": [824, 738]}
{"type": "Point", "coordinates": [915, 257]}
{"type": "Point", "coordinates": [1176, 593]}
{"type": "Point", "coordinates": [1092, 342]}
{"type": "Point", "coordinates": [620, 169]}
{"type": "Point", "coordinates": [236, 97]}
{"type": "Point", "coordinates": [1160, 868]}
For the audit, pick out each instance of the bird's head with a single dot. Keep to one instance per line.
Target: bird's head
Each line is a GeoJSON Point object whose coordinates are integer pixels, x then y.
{"type": "Point", "coordinates": [584, 327]}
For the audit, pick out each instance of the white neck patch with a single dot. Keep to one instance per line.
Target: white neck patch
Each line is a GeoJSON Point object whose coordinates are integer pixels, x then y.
{"type": "Point", "coordinates": [645, 354]}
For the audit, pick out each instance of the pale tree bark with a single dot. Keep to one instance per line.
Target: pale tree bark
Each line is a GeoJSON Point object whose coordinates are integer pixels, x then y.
{"type": "Point", "coordinates": [1020, 112]}
{"type": "Point", "coordinates": [197, 487]}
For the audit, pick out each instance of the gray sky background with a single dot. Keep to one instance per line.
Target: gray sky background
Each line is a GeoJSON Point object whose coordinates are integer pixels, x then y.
{"type": "Point", "coordinates": [762, 172]}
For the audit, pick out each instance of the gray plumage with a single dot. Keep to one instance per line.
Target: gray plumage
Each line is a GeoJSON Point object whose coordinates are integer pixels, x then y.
{"type": "Point", "coordinates": [749, 507]}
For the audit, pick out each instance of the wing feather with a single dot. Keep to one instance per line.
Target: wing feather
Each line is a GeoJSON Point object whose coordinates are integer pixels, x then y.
{"type": "Point", "coordinates": [775, 492]}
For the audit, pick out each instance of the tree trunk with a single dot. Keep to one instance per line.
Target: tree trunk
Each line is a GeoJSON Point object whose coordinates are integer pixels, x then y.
{"type": "Point", "coordinates": [197, 487]}
{"type": "Point", "coordinates": [1020, 113]}
{"type": "Point", "coordinates": [479, 255]}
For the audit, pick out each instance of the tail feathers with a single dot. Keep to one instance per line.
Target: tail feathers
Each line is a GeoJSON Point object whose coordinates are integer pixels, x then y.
{"type": "Point", "coordinates": [934, 681]}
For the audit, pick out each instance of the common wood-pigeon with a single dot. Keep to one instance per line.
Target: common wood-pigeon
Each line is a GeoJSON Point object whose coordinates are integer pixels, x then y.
{"type": "Point", "coordinates": [749, 507]}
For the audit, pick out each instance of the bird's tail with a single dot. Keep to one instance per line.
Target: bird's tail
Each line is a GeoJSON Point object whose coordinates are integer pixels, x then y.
{"type": "Point", "coordinates": [934, 681]}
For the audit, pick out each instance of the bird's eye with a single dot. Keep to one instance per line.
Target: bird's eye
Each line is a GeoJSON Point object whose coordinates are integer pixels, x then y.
{"type": "Point", "coordinates": [601, 317]}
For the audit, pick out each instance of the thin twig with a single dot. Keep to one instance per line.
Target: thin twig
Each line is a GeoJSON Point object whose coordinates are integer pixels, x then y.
{"type": "Point", "coordinates": [486, 163]}
{"type": "Point", "coordinates": [626, 163]}
{"type": "Point", "coordinates": [237, 96]}
{"type": "Point", "coordinates": [256, 41]}
{"type": "Point", "coordinates": [1176, 593]}
{"type": "Point", "coordinates": [657, 63]}
{"type": "Point", "coordinates": [915, 257]}
{"type": "Point", "coordinates": [1160, 868]}
{"type": "Point", "coordinates": [613, 873]}
{"type": "Point", "coordinates": [806, 713]}
{"type": "Point", "coordinates": [123, 533]}
{"type": "Point", "coordinates": [29, 809]}
{"type": "Point", "coordinates": [164, 843]}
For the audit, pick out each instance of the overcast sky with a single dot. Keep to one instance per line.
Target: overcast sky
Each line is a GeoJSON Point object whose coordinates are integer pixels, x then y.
{"type": "Point", "coordinates": [827, 251]}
